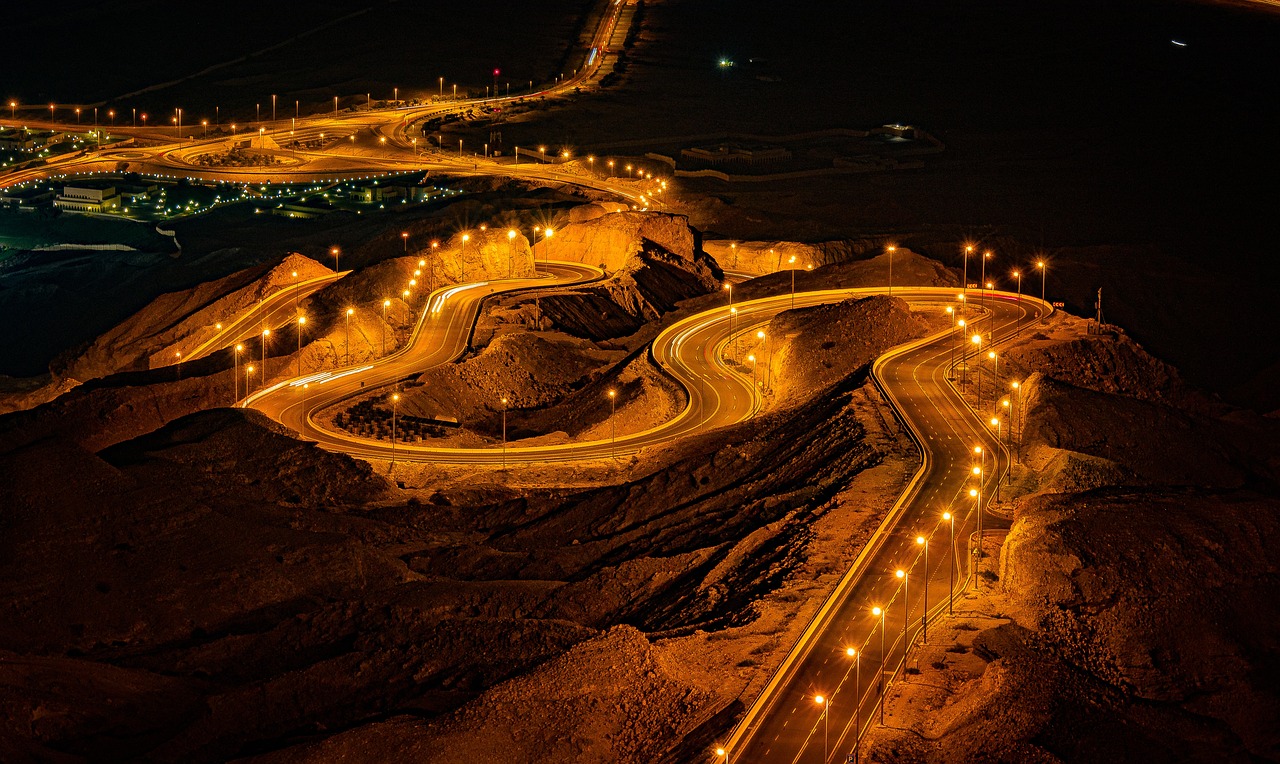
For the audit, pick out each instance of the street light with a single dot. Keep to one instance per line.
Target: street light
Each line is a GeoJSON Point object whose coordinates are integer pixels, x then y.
{"type": "Point", "coordinates": [266, 334]}
{"type": "Point", "coordinates": [880, 613]}
{"type": "Point", "coordinates": [248, 374]}
{"type": "Point", "coordinates": [336, 254]}
{"type": "Point", "coordinates": [404, 237]}
{"type": "Point", "coordinates": [302, 320]}
{"type": "Point", "coordinates": [1043, 270]}
{"type": "Point", "coordinates": [504, 433]}
{"type": "Point", "coordinates": [951, 571]}
{"type": "Point", "coordinates": [891, 249]}
{"type": "Point", "coordinates": [924, 615]}
{"type": "Point", "coordinates": [350, 312]}
{"type": "Point", "coordinates": [906, 605]}
{"type": "Point", "coordinates": [857, 690]}
{"type": "Point", "coordinates": [613, 425]}
{"type": "Point", "coordinates": [976, 495]}
{"type": "Point", "coordinates": [1018, 275]}
{"type": "Point", "coordinates": [977, 340]}
{"type": "Point", "coordinates": [826, 715]}
{"type": "Point", "coordinates": [235, 370]}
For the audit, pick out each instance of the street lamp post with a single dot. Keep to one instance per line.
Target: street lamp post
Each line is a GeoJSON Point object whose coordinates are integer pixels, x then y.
{"type": "Point", "coordinates": [337, 262]}
{"type": "Point", "coordinates": [857, 706]}
{"type": "Point", "coordinates": [1043, 270]}
{"type": "Point", "coordinates": [248, 375]}
{"type": "Point", "coordinates": [995, 374]}
{"type": "Point", "coordinates": [504, 433]}
{"type": "Point", "coordinates": [977, 340]}
{"type": "Point", "coordinates": [1018, 275]}
{"type": "Point", "coordinates": [348, 341]}
{"type": "Point", "coordinates": [613, 424]}
{"type": "Point", "coordinates": [924, 614]}
{"type": "Point", "coordinates": [752, 359]}
{"type": "Point", "coordinates": [880, 612]}
{"type": "Point", "coordinates": [964, 354]}
{"type": "Point", "coordinates": [404, 238]}
{"type": "Point", "coordinates": [891, 249]}
{"type": "Point", "coordinates": [976, 495]}
{"type": "Point", "coordinates": [826, 716]}
{"type": "Point", "coordinates": [981, 293]}
{"type": "Point", "coordinates": [951, 569]}
{"type": "Point", "coordinates": [266, 334]}
{"type": "Point", "coordinates": [906, 605]}
{"type": "Point", "coordinates": [178, 354]}
{"type": "Point", "coordinates": [235, 370]}
{"type": "Point", "coordinates": [996, 423]}
{"type": "Point", "coordinates": [302, 320]}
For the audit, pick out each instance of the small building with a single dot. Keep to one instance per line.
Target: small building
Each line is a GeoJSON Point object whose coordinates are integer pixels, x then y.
{"type": "Point", "coordinates": [25, 199]}
{"type": "Point", "coordinates": [142, 192]}
{"type": "Point", "coordinates": [84, 199]}
{"type": "Point", "coordinates": [734, 154]}
{"type": "Point", "coordinates": [25, 139]}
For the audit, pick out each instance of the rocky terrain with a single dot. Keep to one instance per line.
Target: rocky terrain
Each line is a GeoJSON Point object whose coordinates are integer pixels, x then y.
{"type": "Point", "coordinates": [1132, 618]}
{"type": "Point", "coordinates": [432, 611]}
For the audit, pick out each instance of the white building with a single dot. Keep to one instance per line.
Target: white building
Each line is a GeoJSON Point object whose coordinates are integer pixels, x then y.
{"type": "Point", "coordinates": [76, 199]}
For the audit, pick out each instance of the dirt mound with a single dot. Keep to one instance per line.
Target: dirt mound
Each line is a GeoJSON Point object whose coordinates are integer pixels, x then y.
{"type": "Point", "coordinates": [808, 349]}
{"type": "Point", "coordinates": [1108, 362]}
{"type": "Point", "coordinates": [610, 699]}
{"type": "Point", "coordinates": [106, 411]}
{"type": "Point", "coordinates": [611, 240]}
{"type": "Point", "coordinates": [531, 370]}
{"type": "Point", "coordinates": [650, 285]}
{"type": "Point", "coordinates": [1156, 443]}
{"type": "Point", "coordinates": [179, 321]}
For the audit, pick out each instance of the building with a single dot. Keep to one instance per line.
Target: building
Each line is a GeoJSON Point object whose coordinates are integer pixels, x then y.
{"type": "Point", "coordinates": [733, 154]}
{"type": "Point", "coordinates": [25, 199]}
{"type": "Point", "coordinates": [25, 139]}
{"type": "Point", "coordinates": [82, 199]}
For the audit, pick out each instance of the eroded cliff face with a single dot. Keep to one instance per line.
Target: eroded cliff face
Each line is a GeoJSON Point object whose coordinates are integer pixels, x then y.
{"type": "Point", "coordinates": [1133, 611]}
{"type": "Point", "coordinates": [611, 240]}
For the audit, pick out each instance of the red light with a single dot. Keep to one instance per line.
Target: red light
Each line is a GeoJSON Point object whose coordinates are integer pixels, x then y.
{"type": "Point", "coordinates": [496, 72]}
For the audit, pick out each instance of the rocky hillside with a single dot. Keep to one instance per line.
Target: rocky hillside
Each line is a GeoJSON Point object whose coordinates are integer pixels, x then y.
{"type": "Point", "coordinates": [179, 321]}
{"type": "Point", "coordinates": [1133, 615]}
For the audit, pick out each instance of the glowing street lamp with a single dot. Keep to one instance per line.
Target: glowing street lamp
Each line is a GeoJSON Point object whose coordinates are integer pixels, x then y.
{"type": "Point", "coordinates": [302, 321]}
{"type": "Point", "coordinates": [906, 603]}
{"type": "Point", "coordinates": [825, 703]}
{"type": "Point", "coordinates": [404, 237]}
{"type": "Point", "coordinates": [248, 376]}
{"type": "Point", "coordinates": [880, 613]}
{"type": "Point", "coordinates": [951, 569]}
{"type": "Point", "coordinates": [613, 425]}
{"type": "Point", "coordinates": [235, 370]}
{"type": "Point", "coordinates": [266, 335]}
{"type": "Point", "coordinates": [350, 312]}
{"type": "Point", "coordinates": [976, 495]}
{"type": "Point", "coordinates": [504, 433]}
{"type": "Point", "coordinates": [1043, 269]}
{"type": "Point", "coordinates": [857, 690]}
{"type": "Point", "coordinates": [977, 340]}
{"type": "Point", "coordinates": [924, 615]}
{"type": "Point", "coordinates": [890, 250]}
